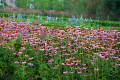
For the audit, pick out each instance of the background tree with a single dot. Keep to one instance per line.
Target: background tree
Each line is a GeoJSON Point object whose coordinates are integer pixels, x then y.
{"type": "Point", "coordinates": [92, 8]}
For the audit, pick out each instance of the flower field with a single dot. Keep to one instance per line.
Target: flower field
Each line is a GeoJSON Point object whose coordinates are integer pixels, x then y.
{"type": "Point", "coordinates": [35, 52]}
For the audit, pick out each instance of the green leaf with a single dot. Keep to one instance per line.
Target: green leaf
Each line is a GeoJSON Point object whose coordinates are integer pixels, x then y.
{"type": "Point", "coordinates": [44, 78]}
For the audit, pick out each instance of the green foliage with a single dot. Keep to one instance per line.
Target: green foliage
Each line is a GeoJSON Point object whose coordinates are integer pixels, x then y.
{"type": "Point", "coordinates": [99, 8]}
{"type": "Point", "coordinates": [17, 44]}
{"type": "Point", "coordinates": [22, 3]}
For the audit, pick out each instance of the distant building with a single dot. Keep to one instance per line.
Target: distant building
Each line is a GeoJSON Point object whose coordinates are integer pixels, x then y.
{"type": "Point", "coordinates": [8, 2]}
{"type": "Point", "coordinates": [1, 2]}
{"type": "Point", "coordinates": [11, 3]}
{"type": "Point", "coordinates": [32, 4]}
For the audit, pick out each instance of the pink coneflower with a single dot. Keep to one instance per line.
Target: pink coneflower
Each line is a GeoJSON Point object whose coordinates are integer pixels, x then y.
{"type": "Point", "coordinates": [67, 54]}
{"type": "Point", "coordinates": [111, 53]}
{"type": "Point", "coordinates": [1, 43]}
{"type": "Point", "coordinates": [63, 63]}
{"type": "Point", "coordinates": [64, 50]}
{"type": "Point", "coordinates": [38, 51]}
{"type": "Point", "coordinates": [92, 62]}
{"type": "Point", "coordinates": [30, 58]}
{"type": "Point", "coordinates": [2, 73]}
{"type": "Point", "coordinates": [20, 52]}
{"type": "Point", "coordinates": [56, 64]}
{"type": "Point", "coordinates": [14, 53]}
{"type": "Point", "coordinates": [76, 64]}
{"type": "Point", "coordinates": [10, 47]}
{"type": "Point", "coordinates": [26, 55]}
{"type": "Point", "coordinates": [79, 72]}
{"type": "Point", "coordinates": [115, 56]}
{"type": "Point", "coordinates": [79, 47]}
{"type": "Point", "coordinates": [78, 60]}
{"type": "Point", "coordinates": [71, 63]}
{"type": "Point", "coordinates": [42, 49]}
{"type": "Point", "coordinates": [76, 67]}
{"type": "Point", "coordinates": [46, 21]}
{"type": "Point", "coordinates": [72, 57]}
{"type": "Point", "coordinates": [45, 53]}
{"type": "Point", "coordinates": [117, 64]}
{"type": "Point", "coordinates": [96, 69]}
{"type": "Point", "coordinates": [84, 67]}
{"type": "Point", "coordinates": [65, 72]}
{"type": "Point", "coordinates": [71, 67]}
{"type": "Point", "coordinates": [68, 59]}
{"type": "Point", "coordinates": [23, 61]}
{"type": "Point", "coordinates": [83, 63]}
{"type": "Point", "coordinates": [54, 67]}
{"type": "Point", "coordinates": [118, 58]}
{"type": "Point", "coordinates": [30, 49]}
{"type": "Point", "coordinates": [50, 60]}
{"type": "Point", "coordinates": [74, 60]}
{"type": "Point", "coordinates": [68, 63]}
{"type": "Point", "coordinates": [56, 48]}
{"type": "Point", "coordinates": [71, 72]}
{"type": "Point", "coordinates": [15, 37]}
{"type": "Point", "coordinates": [106, 58]}
{"type": "Point", "coordinates": [80, 68]}
{"type": "Point", "coordinates": [85, 74]}
{"type": "Point", "coordinates": [114, 65]}
{"type": "Point", "coordinates": [63, 47]}
{"type": "Point", "coordinates": [81, 53]}
{"type": "Point", "coordinates": [102, 55]}
{"type": "Point", "coordinates": [16, 62]}
{"type": "Point", "coordinates": [95, 53]}
{"type": "Point", "coordinates": [30, 64]}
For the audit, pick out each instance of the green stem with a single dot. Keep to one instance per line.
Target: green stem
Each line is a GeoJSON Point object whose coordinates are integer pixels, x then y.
{"type": "Point", "coordinates": [102, 68]}
{"type": "Point", "coordinates": [23, 71]}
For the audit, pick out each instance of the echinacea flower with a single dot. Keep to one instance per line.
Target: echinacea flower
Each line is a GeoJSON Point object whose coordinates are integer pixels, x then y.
{"type": "Point", "coordinates": [30, 64]}
{"type": "Point", "coordinates": [85, 74]}
{"type": "Point", "coordinates": [42, 49]}
{"type": "Point", "coordinates": [23, 61]}
{"type": "Point", "coordinates": [76, 67]}
{"type": "Point", "coordinates": [46, 21]}
{"type": "Point", "coordinates": [65, 72]}
{"type": "Point", "coordinates": [96, 69]}
{"type": "Point", "coordinates": [71, 72]}
{"type": "Point", "coordinates": [106, 58]}
{"type": "Point", "coordinates": [118, 64]}
{"type": "Point", "coordinates": [81, 53]}
{"type": "Point", "coordinates": [16, 62]}
{"type": "Point", "coordinates": [80, 68]}
{"type": "Point", "coordinates": [1, 43]}
{"type": "Point", "coordinates": [115, 56]}
{"type": "Point", "coordinates": [20, 52]}
{"type": "Point", "coordinates": [22, 48]}
{"type": "Point", "coordinates": [30, 58]}
{"type": "Point", "coordinates": [63, 63]}
{"type": "Point", "coordinates": [71, 67]}
{"type": "Point", "coordinates": [14, 53]}
{"type": "Point", "coordinates": [83, 63]}
{"type": "Point", "coordinates": [79, 72]}
{"type": "Point", "coordinates": [84, 67]}
{"type": "Point", "coordinates": [26, 55]}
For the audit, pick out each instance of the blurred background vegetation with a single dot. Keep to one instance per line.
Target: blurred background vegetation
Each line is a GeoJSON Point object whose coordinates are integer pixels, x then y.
{"type": "Point", "coordinates": [99, 8]}
{"type": "Point", "coordinates": [105, 9]}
